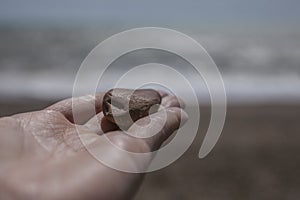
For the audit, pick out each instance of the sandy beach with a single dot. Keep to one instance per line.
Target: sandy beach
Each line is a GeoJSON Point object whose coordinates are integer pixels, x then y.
{"type": "Point", "coordinates": [257, 157]}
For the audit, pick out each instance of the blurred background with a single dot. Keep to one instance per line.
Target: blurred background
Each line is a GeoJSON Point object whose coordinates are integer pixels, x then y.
{"type": "Point", "coordinates": [255, 44]}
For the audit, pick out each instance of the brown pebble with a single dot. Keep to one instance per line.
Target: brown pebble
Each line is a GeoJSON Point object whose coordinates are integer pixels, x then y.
{"type": "Point", "coordinates": [125, 106]}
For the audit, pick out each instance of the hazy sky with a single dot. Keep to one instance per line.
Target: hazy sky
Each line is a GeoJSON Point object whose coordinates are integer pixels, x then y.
{"type": "Point", "coordinates": [265, 12]}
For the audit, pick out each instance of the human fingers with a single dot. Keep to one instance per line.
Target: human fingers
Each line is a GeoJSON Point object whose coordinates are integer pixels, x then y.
{"type": "Point", "coordinates": [87, 106]}
{"type": "Point", "coordinates": [162, 125]}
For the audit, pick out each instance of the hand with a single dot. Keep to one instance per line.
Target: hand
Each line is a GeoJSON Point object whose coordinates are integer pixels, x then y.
{"type": "Point", "coordinates": [42, 156]}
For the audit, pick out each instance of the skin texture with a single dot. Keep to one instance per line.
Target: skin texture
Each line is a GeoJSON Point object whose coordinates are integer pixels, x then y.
{"type": "Point", "coordinates": [42, 157]}
{"type": "Point", "coordinates": [125, 106]}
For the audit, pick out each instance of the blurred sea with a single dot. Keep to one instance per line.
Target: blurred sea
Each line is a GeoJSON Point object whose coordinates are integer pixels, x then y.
{"type": "Point", "coordinates": [41, 62]}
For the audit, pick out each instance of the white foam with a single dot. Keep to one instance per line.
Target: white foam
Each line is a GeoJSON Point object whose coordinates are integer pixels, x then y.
{"type": "Point", "coordinates": [239, 88]}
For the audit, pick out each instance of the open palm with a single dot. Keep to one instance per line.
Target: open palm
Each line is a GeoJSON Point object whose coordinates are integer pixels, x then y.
{"type": "Point", "coordinates": [42, 155]}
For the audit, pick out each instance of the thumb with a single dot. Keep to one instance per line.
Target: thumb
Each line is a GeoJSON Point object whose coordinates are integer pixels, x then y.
{"type": "Point", "coordinates": [158, 127]}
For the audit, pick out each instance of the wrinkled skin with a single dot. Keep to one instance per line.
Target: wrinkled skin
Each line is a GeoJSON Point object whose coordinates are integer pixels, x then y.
{"type": "Point", "coordinates": [42, 157]}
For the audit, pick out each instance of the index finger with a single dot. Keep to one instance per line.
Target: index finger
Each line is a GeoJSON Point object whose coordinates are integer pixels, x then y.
{"type": "Point", "coordinates": [82, 105]}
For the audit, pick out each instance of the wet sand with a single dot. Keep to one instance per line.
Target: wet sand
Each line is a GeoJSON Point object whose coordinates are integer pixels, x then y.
{"type": "Point", "coordinates": [257, 157]}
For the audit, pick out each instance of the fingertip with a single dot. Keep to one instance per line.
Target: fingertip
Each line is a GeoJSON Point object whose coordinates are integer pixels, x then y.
{"type": "Point", "coordinates": [181, 115]}
{"type": "Point", "coordinates": [162, 93]}
{"type": "Point", "coordinates": [173, 101]}
{"type": "Point", "coordinates": [184, 117]}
